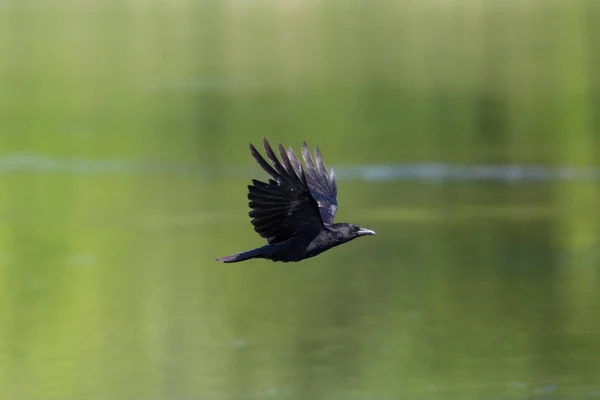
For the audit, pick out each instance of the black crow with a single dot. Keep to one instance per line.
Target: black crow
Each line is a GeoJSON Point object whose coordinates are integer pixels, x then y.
{"type": "Point", "coordinates": [294, 211]}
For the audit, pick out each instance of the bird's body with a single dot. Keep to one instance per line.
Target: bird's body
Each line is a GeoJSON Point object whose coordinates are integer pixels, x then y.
{"type": "Point", "coordinates": [294, 211]}
{"type": "Point", "coordinates": [297, 248]}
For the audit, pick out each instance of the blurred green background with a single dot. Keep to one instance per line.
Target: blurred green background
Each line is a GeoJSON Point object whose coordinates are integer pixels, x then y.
{"type": "Point", "coordinates": [123, 170]}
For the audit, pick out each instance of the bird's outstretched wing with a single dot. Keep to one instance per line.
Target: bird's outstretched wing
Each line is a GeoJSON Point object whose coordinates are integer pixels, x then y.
{"type": "Point", "coordinates": [285, 205]}
{"type": "Point", "coordinates": [322, 186]}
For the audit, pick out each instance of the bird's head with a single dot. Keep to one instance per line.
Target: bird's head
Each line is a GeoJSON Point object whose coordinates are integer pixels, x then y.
{"type": "Point", "coordinates": [350, 231]}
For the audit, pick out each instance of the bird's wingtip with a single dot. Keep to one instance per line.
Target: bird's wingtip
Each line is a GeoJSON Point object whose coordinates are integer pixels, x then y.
{"type": "Point", "coordinates": [305, 150]}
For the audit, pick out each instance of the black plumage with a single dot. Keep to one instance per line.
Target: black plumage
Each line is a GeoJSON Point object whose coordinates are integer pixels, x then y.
{"type": "Point", "coordinates": [294, 211]}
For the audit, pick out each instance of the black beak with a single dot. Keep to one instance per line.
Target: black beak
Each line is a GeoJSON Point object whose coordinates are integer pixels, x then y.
{"type": "Point", "coordinates": [365, 232]}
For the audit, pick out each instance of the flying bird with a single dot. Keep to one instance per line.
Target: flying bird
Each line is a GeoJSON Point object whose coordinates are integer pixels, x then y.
{"type": "Point", "coordinates": [294, 211]}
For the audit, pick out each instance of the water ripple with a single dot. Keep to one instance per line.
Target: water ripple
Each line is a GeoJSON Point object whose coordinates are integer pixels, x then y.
{"type": "Point", "coordinates": [374, 172]}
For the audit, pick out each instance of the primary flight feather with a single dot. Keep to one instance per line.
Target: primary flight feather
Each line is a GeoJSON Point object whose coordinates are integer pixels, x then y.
{"type": "Point", "coordinates": [294, 210]}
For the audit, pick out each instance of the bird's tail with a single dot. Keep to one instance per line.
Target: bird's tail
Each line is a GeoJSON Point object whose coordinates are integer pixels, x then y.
{"type": "Point", "coordinates": [244, 255]}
